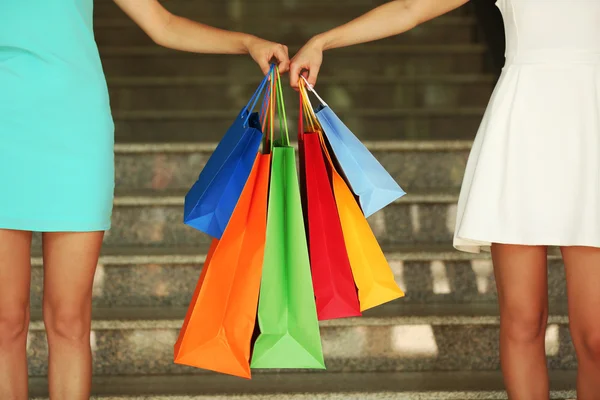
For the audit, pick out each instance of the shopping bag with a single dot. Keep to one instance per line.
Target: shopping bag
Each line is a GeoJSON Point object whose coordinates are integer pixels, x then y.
{"type": "Point", "coordinates": [287, 316]}
{"type": "Point", "coordinates": [212, 199]}
{"type": "Point", "coordinates": [220, 322]}
{"type": "Point", "coordinates": [373, 185]}
{"type": "Point", "coordinates": [333, 283]}
{"type": "Point", "coordinates": [371, 271]}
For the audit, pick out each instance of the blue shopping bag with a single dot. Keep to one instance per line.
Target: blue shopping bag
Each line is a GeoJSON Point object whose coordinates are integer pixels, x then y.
{"type": "Point", "coordinates": [210, 202]}
{"type": "Point", "coordinates": [367, 178]}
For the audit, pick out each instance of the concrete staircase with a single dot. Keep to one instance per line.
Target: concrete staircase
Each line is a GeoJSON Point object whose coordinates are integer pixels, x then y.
{"type": "Point", "coordinates": [429, 86]}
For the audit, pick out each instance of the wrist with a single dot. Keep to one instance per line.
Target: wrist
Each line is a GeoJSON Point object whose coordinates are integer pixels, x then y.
{"type": "Point", "coordinates": [321, 42]}
{"type": "Point", "coordinates": [246, 41]}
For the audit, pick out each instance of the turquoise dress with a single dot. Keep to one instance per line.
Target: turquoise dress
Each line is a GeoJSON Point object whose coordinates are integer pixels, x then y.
{"type": "Point", "coordinates": [56, 129]}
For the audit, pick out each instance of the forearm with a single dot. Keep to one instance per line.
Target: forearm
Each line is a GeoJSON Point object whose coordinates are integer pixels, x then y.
{"type": "Point", "coordinates": [390, 19]}
{"type": "Point", "coordinates": [183, 34]}
{"type": "Point", "coordinates": [387, 20]}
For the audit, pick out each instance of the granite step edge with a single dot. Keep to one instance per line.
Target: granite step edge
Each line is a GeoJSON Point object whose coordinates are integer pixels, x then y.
{"type": "Point", "coordinates": [315, 386]}
{"type": "Point", "coordinates": [150, 197]}
{"type": "Point", "coordinates": [374, 145]}
{"type": "Point", "coordinates": [455, 49]}
{"type": "Point", "coordinates": [175, 256]}
{"type": "Point", "coordinates": [445, 20]}
{"type": "Point", "coordinates": [413, 112]}
{"type": "Point", "coordinates": [397, 313]}
{"type": "Point", "coordinates": [135, 81]}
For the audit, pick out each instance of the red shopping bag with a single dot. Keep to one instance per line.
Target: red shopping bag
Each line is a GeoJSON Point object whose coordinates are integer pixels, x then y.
{"type": "Point", "coordinates": [335, 291]}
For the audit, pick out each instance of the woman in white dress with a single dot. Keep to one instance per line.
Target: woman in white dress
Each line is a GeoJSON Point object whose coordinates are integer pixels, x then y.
{"type": "Point", "coordinates": [533, 176]}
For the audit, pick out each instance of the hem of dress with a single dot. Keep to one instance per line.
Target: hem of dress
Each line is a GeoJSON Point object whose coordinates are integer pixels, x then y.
{"type": "Point", "coordinates": [476, 246]}
{"type": "Point", "coordinates": [32, 225]}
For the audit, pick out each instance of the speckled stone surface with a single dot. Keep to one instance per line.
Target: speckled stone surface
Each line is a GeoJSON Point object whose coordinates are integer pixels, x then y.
{"type": "Point", "coordinates": [156, 221]}
{"type": "Point", "coordinates": [393, 93]}
{"type": "Point", "coordinates": [425, 282]}
{"type": "Point", "coordinates": [235, 9]}
{"type": "Point", "coordinates": [441, 343]}
{"type": "Point", "coordinates": [374, 124]}
{"type": "Point", "coordinates": [463, 385]}
{"type": "Point", "coordinates": [416, 171]}
{"type": "Point", "coordinates": [408, 222]}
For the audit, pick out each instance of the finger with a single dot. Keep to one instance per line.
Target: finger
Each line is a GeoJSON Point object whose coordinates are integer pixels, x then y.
{"type": "Point", "coordinates": [264, 66]}
{"type": "Point", "coordinates": [295, 69]}
{"type": "Point", "coordinates": [284, 60]}
{"type": "Point", "coordinates": [313, 73]}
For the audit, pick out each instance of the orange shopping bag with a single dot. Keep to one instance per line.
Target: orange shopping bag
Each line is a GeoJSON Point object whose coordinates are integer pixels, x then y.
{"type": "Point", "coordinates": [372, 274]}
{"type": "Point", "coordinates": [219, 324]}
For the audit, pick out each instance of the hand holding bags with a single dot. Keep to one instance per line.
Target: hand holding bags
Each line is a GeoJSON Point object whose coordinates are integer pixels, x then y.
{"type": "Point", "coordinates": [371, 271]}
{"type": "Point", "coordinates": [368, 179]}
{"type": "Point", "coordinates": [211, 201]}
{"type": "Point", "coordinates": [289, 330]}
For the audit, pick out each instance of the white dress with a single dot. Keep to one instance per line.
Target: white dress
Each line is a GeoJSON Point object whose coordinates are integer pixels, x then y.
{"type": "Point", "coordinates": [533, 176]}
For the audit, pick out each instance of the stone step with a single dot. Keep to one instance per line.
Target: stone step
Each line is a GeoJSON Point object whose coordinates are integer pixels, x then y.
{"type": "Point", "coordinates": [472, 385]}
{"type": "Point", "coordinates": [397, 337]}
{"type": "Point", "coordinates": [184, 93]}
{"type": "Point", "coordinates": [431, 123]}
{"type": "Point", "coordinates": [373, 59]}
{"type": "Point", "coordinates": [422, 166]}
{"type": "Point", "coordinates": [294, 31]}
{"type": "Point", "coordinates": [166, 277]}
{"type": "Point", "coordinates": [238, 10]}
{"type": "Point", "coordinates": [156, 220]}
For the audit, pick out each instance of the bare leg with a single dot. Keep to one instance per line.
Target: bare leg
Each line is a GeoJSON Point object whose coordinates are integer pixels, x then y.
{"type": "Point", "coordinates": [70, 261]}
{"type": "Point", "coordinates": [15, 277]}
{"type": "Point", "coordinates": [522, 280]}
{"type": "Point", "coordinates": [582, 265]}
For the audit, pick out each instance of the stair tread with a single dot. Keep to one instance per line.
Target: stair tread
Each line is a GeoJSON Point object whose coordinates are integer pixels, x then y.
{"type": "Point", "coordinates": [228, 114]}
{"type": "Point", "coordinates": [110, 254]}
{"type": "Point", "coordinates": [373, 145]}
{"type": "Point", "coordinates": [174, 197]}
{"type": "Point", "coordinates": [403, 385]}
{"type": "Point", "coordinates": [105, 22]}
{"type": "Point", "coordinates": [323, 80]}
{"type": "Point", "coordinates": [154, 50]}
{"type": "Point", "coordinates": [125, 255]}
{"type": "Point", "coordinates": [395, 313]}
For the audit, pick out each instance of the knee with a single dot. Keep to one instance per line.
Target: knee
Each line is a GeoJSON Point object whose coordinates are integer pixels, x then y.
{"type": "Point", "coordinates": [14, 322]}
{"type": "Point", "coordinates": [67, 324]}
{"type": "Point", "coordinates": [525, 326]}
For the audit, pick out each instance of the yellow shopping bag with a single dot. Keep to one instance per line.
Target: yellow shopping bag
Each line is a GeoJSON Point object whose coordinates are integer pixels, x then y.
{"type": "Point", "coordinates": [372, 273]}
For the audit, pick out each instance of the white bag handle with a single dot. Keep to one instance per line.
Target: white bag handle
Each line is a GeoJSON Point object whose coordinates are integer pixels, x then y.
{"type": "Point", "coordinates": [312, 89]}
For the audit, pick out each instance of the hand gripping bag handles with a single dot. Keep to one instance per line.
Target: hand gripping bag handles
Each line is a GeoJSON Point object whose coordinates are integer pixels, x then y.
{"type": "Point", "coordinates": [212, 199]}
{"type": "Point", "coordinates": [368, 179]}
{"type": "Point", "coordinates": [371, 271]}
{"type": "Point", "coordinates": [289, 329]}
{"type": "Point", "coordinates": [335, 291]}
{"type": "Point", "coordinates": [220, 321]}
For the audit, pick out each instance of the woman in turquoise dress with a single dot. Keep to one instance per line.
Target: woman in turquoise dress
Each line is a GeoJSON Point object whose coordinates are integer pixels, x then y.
{"type": "Point", "coordinates": [57, 173]}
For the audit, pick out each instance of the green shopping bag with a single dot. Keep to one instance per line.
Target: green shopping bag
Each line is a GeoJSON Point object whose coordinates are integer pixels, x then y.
{"type": "Point", "coordinates": [287, 314]}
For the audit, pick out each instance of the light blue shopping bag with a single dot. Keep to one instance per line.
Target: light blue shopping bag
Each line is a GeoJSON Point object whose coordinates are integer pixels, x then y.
{"type": "Point", "coordinates": [210, 202]}
{"type": "Point", "coordinates": [367, 178]}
